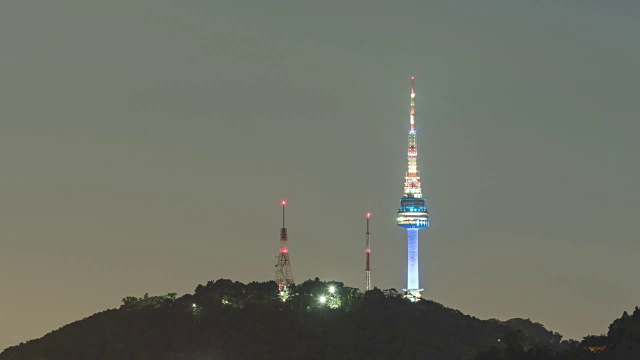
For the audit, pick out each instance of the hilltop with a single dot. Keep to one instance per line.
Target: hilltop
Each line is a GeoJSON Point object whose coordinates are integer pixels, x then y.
{"type": "Point", "coordinates": [314, 320]}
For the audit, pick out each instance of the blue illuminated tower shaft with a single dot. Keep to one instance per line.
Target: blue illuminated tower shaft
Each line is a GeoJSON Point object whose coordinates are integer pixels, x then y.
{"type": "Point", "coordinates": [412, 214]}
{"type": "Point", "coordinates": [413, 261]}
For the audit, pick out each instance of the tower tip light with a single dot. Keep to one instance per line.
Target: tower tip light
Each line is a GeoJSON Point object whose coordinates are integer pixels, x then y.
{"type": "Point", "coordinates": [368, 215]}
{"type": "Point", "coordinates": [284, 202]}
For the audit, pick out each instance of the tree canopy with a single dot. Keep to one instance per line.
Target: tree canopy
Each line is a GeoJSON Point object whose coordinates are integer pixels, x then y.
{"type": "Point", "coordinates": [316, 319]}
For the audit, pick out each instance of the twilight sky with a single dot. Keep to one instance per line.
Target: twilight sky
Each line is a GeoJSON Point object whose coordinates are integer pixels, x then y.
{"type": "Point", "coordinates": [145, 146]}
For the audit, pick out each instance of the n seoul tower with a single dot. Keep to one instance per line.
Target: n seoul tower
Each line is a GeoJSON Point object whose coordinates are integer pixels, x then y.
{"type": "Point", "coordinates": [412, 214]}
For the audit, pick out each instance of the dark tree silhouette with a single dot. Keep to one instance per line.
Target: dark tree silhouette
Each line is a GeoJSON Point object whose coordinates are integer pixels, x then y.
{"type": "Point", "coordinates": [224, 319]}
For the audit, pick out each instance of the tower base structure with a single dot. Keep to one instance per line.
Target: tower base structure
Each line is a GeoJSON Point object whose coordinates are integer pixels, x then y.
{"type": "Point", "coordinates": [413, 295]}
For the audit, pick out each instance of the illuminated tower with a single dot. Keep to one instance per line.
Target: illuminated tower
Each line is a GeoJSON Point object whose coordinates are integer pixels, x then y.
{"type": "Point", "coordinates": [412, 214]}
{"type": "Point", "coordinates": [284, 275]}
{"type": "Point", "coordinates": [367, 252]}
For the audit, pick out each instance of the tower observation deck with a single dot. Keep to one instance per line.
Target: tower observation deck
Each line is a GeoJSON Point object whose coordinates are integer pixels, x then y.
{"type": "Point", "coordinates": [412, 214]}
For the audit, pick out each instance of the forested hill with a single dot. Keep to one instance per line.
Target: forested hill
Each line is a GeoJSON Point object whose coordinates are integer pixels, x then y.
{"type": "Point", "coordinates": [314, 320]}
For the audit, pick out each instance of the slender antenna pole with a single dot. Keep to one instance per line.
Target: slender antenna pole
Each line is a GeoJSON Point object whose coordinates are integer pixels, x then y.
{"type": "Point", "coordinates": [368, 257]}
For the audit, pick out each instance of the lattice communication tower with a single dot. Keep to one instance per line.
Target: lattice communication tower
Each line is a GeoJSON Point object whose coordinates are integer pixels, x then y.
{"type": "Point", "coordinates": [283, 274]}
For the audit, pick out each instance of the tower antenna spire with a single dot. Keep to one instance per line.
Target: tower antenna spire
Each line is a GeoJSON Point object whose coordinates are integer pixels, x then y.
{"type": "Point", "coordinates": [283, 274]}
{"type": "Point", "coordinates": [412, 214]}
{"type": "Point", "coordinates": [412, 114]}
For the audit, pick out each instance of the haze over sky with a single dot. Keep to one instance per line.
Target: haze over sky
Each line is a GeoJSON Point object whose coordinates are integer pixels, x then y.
{"type": "Point", "coordinates": [145, 147]}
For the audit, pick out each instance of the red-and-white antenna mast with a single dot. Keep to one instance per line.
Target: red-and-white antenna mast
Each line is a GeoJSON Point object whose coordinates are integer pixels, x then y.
{"type": "Point", "coordinates": [368, 255]}
{"type": "Point", "coordinates": [284, 275]}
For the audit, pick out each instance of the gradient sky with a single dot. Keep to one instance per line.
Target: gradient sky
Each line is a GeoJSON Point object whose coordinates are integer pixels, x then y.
{"type": "Point", "coordinates": [145, 146]}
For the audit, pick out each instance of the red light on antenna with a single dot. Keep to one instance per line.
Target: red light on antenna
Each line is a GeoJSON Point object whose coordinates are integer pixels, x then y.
{"type": "Point", "coordinates": [413, 78]}
{"type": "Point", "coordinates": [284, 202]}
{"type": "Point", "coordinates": [368, 215]}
